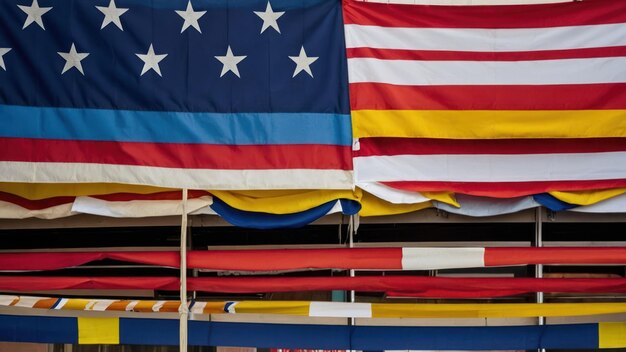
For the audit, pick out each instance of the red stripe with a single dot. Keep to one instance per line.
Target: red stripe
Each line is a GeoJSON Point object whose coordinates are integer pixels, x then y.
{"type": "Point", "coordinates": [292, 259]}
{"type": "Point", "coordinates": [576, 255]}
{"type": "Point", "coordinates": [435, 55]}
{"type": "Point", "coordinates": [505, 189]}
{"type": "Point", "coordinates": [170, 195]}
{"type": "Point", "coordinates": [575, 13]}
{"type": "Point", "coordinates": [381, 96]}
{"type": "Point", "coordinates": [231, 260]}
{"type": "Point", "coordinates": [432, 146]}
{"type": "Point", "coordinates": [35, 204]}
{"type": "Point", "coordinates": [196, 156]}
{"type": "Point", "coordinates": [417, 285]}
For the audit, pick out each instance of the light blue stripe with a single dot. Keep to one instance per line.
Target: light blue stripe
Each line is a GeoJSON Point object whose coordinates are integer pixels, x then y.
{"type": "Point", "coordinates": [174, 127]}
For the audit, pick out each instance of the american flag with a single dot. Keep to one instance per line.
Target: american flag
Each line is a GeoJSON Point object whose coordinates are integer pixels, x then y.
{"type": "Point", "coordinates": [188, 94]}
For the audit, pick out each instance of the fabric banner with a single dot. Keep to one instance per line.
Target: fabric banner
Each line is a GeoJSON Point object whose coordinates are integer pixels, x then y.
{"type": "Point", "coordinates": [170, 94]}
{"type": "Point", "coordinates": [265, 260]}
{"type": "Point", "coordinates": [322, 309]}
{"type": "Point", "coordinates": [401, 286]}
{"type": "Point", "coordinates": [133, 331]}
{"type": "Point", "coordinates": [499, 101]}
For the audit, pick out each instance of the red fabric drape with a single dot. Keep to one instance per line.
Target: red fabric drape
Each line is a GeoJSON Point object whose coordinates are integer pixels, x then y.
{"type": "Point", "coordinates": [298, 259]}
{"type": "Point", "coordinates": [435, 287]}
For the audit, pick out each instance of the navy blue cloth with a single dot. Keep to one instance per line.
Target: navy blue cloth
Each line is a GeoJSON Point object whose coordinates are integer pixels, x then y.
{"type": "Point", "coordinates": [259, 220]}
{"type": "Point", "coordinates": [15, 328]}
{"type": "Point", "coordinates": [476, 338]}
{"type": "Point", "coordinates": [149, 331]}
{"type": "Point", "coordinates": [552, 203]}
{"type": "Point", "coordinates": [280, 335]}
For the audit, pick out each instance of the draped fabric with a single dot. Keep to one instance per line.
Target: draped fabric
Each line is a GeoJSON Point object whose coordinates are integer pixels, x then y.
{"type": "Point", "coordinates": [203, 333]}
{"type": "Point", "coordinates": [400, 286]}
{"type": "Point", "coordinates": [498, 101]}
{"type": "Point", "coordinates": [323, 309]}
{"type": "Point", "coordinates": [384, 259]}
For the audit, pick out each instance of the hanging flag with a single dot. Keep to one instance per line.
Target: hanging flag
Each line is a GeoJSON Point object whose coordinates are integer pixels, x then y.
{"type": "Point", "coordinates": [498, 101]}
{"type": "Point", "coordinates": [187, 93]}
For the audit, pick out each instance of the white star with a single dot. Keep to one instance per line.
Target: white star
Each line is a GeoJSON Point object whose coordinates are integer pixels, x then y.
{"type": "Point", "coordinates": [230, 62]}
{"type": "Point", "coordinates": [2, 52]}
{"type": "Point", "coordinates": [303, 62]}
{"type": "Point", "coordinates": [34, 13]}
{"type": "Point", "coordinates": [151, 61]}
{"type": "Point", "coordinates": [112, 14]}
{"type": "Point", "coordinates": [191, 17]}
{"type": "Point", "coordinates": [269, 18]}
{"type": "Point", "coordinates": [73, 59]}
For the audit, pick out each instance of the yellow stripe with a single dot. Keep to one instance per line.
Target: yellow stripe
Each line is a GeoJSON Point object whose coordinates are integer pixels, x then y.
{"type": "Point", "coordinates": [374, 206]}
{"type": "Point", "coordinates": [282, 201]}
{"type": "Point", "coordinates": [76, 304]}
{"type": "Point", "coordinates": [487, 124]}
{"type": "Point", "coordinates": [588, 197]}
{"type": "Point", "coordinates": [612, 335]}
{"type": "Point", "coordinates": [495, 310]}
{"type": "Point", "coordinates": [35, 191]}
{"type": "Point", "coordinates": [443, 197]}
{"type": "Point", "coordinates": [265, 307]}
{"type": "Point", "coordinates": [98, 330]}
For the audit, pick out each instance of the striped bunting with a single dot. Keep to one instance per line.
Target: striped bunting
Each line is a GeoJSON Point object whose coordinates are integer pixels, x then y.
{"type": "Point", "coordinates": [497, 101]}
{"type": "Point", "coordinates": [323, 309]}
{"type": "Point", "coordinates": [266, 260]}
{"type": "Point", "coordinates": [407, 258]}
{"type": "Point", "coordinates": [131, 331]}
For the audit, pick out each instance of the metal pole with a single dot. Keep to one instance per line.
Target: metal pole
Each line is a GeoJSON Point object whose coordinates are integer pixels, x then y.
{"type": "Point", "coordinates": [183, 310]}
{"type": "Point", "coordinates": [351, 231]}
{"type": "Point", "coordinates": [539, 267]}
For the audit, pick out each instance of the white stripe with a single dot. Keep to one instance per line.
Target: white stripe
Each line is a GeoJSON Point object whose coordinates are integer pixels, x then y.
{"type": "Point", "coordinates": [340, 310]}
{"type": "Point", "coordinates": [62, 303]}
{"type": "Point", "coordinates": [28, 302]}
{"type": "Point", "coordinates": [131, 306]}
{"type": "Point", "coordinates": [6, 300]}
{"type": "Point", "coordinates": [231, 308]}
{"type": "Point", "coordinates": [492, 168]}
{"type": "Point", "coordinates": [11, 171]}
{"type": "Point", "coordinates": [158, 305]}
{"type": "Point", "coordinates": [102, 305]}
{"type": "Point", "coordinates": [137, 208]}
{"type": "Point", "coordinates": [393, 195]}
{"type": "Point", "coordinates": [409, 72]}
{"type": "Point", "coordinates": [486, 40]}
{"type": "Point", "coordinates": [442, 258]}
{"type": "Point", "coordinates": [198, 308]}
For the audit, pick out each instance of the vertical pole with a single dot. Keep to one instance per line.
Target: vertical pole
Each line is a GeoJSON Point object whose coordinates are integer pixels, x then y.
{"type": "Point", "coordinates": [351, 231]}
{"type": "Point", "coordinates": [539, 267]}
{"type": "Point", "coordinates": [183, 310]}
